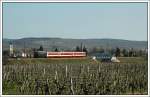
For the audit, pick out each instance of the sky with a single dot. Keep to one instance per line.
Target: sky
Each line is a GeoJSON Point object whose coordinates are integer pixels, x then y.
{"type": "Point", "coordinates": [75, 20]}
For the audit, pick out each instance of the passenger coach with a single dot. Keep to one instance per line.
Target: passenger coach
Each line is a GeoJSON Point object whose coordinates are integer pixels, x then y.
{"type": "Point", "coordinates": [65, 54]}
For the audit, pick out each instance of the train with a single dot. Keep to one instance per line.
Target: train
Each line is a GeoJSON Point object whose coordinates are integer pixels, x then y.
{"type": "Point", "coordinates": [45, 54]}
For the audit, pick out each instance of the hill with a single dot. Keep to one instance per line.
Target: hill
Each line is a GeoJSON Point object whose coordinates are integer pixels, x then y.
{"type": "Point", "coordinates": [70, 44]}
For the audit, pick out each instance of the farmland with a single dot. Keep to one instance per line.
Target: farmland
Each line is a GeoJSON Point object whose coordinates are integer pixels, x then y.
{"type": "Point", "coordinates": [75, 77]}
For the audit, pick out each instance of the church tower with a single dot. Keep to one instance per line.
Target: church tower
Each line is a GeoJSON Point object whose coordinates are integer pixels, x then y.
{"type": "Point", "coordinates": [11, 49]}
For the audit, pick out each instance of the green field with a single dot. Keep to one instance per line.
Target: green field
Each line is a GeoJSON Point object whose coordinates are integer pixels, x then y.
{"type": "Point", "coordinates": [50, 61]}
{"type": "Point", "coordinates": [75, 77]}
{"type": "Point", "coordinates": [88, 60]}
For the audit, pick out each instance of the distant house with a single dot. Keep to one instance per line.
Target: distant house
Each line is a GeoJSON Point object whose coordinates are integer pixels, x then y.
{"type": "Point", "coordinates": [40, 54]}
{"type": "Point", "coordinates": [104, 57]}
{"type": "Point", "coordinates": [114, 59]}
{"type": "Point", "coordinates": [27, 55]}
{"type": "Point", "coordinates": [24, 55]}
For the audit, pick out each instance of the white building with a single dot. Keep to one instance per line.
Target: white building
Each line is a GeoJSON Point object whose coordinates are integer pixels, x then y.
{"type": "Point", "coordinates": [24, 54]}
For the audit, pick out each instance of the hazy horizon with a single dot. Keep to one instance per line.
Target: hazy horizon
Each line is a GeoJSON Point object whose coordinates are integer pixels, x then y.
{"type": "Point", "coordinates": [125, 21]}
{"type": "Point", "coordinates": [73, 38]}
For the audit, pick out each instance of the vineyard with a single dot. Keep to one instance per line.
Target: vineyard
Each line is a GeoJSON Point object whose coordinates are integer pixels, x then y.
{"type": "Point", "coordinates": [75, 79]}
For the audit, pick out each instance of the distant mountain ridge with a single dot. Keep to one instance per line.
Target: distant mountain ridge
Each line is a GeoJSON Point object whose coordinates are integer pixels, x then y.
{"type": "Point", "coordinates": [70, 44]}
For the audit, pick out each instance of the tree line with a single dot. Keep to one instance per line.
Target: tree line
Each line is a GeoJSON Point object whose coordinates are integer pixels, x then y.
{"type": "Point", "coordinates": [118, 52]}
{"type": "Point", "coordinates": [121, 52]}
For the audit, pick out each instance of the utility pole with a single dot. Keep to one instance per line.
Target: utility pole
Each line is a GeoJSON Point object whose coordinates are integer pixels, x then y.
{"type": "Point", "coordinates": [81, 47]}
